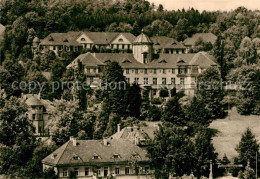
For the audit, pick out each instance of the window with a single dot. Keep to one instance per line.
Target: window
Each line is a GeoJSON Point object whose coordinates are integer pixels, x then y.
{"type": "Point", "coordinates": [145, 71]}
{"type": "Point", "coordinates": [91, 80]}
{"type": "Point", "coordinates": [76, 171]}
{"type": "Point", "coordinates": [173, 81]}
{"type": "Point", "coordinates": [83, 39]}
{"type": "Point", "coordinates": [146, 81]}
{"type": "Point", "coordinates": [173, 71]}
{"type": "Point", "coordinates": [117, 171]}
{"type": "Point", "coordinates": [120, 40]}
{"type": "Point", "coordinates": [54, 47]}
{"type": "Point", "coordinates": [33, 116]}
{"type": "Point", "coordinates": [65, 172]}
{"type": "Point", "coordinates": [164, 81]}
{"type": "Point", "coordinates": [105, 171]}
{"type": "Point", "coordinates": [95, 157]}
{"type": "Point", "coordinates": [147, 169]}
{"type": "Point", "coordinates": [75, 157]}
{"type": "Point", "coordinates": [40, 117]}
{"type": "Point", "coordinates": [127, 170]}
{"type": "Point", "coordinates": [88, 70]}
{"type": "Point", "coordinates": [128, 80]}
{"type": "Point", "coordinates": [136, 71]}
{"type": "Point", "coordinates": [123, 46]}
{"type": "Point", "coordinates": [127, 71]}
{"type": "Point", "coordinates": [98, 171]}
{"type": "Point", "coordinates": [137, 170]}
{"type": "Point", "coordinates": [86, 171]}
{"type": "Point", "coordinates": [94, 70]}
{"type": "Point", "coordinates": [163, 71]}
{"type": "Point", "coordinates": [182, 81]}
{"type": "Point", "coordinates": [155, 81]}
{"type": "Point", "coordinates": [116, 156]}
{"type": "Point", "coordinates": [136, 81]}
{"type": "Point", "coordinates": [154, 71]}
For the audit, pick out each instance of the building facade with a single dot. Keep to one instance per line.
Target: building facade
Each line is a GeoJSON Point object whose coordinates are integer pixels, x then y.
{"type": "Point", "coordinates": [148, 69]}
{"type": "Point", "coordinates": [99, 159]}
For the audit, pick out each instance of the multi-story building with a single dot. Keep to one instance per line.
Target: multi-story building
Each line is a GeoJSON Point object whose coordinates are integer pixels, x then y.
{"type": "Point", "coordinates": [99, 159]}
{"type": "Point", "coordinates": [148, 69]}
{"type": "Point", "coordinates": [112, 42]}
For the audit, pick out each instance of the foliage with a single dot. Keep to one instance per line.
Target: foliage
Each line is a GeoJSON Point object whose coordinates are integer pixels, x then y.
{"type": "Point", "coordinates": [154, 113]}
{"type": "Point", "coordinates": [133, 100]}
{"type": "Point", "coordinates": [210, 90]}
{"type": "Point", "coordinates": [49, 174]}
{"type": "Point", "coordinates": [247, 149]}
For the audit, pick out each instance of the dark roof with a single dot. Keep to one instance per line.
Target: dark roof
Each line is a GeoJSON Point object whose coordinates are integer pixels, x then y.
{"type": "Point", "coordinates": [161, 42]}
{"type": "Point", "coordinates": [33, 101]}
{"type": "Point", "coordinates": [206, 37]}
{"type": "Point", "coordinates": [87, 149]}
{"type": "Point", "coordinates": [203, 60]}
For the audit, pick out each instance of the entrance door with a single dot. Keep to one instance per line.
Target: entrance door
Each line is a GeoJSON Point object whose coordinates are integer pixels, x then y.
{"type": "Point", "coordinates": [105, 171]}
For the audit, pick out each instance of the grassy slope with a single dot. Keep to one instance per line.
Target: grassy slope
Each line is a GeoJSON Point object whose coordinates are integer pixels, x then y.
{"type": "Point", "coordinates": [230, 130]}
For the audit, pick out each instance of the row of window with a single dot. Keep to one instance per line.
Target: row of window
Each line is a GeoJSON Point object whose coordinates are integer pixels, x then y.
{"type": "Point", "coordinates": [98, 171]}
{"type": "Point", "coordinates": [120, 46]}
{"type": "Point", "coordinates": [145, 71]}
{"type": "Point", "coordinates": [155, 81]}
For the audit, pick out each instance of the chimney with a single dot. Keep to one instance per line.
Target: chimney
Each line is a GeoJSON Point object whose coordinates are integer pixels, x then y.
{"type": "Point", "coordinates": [105, 142]}
{"type": "Point", "coordinates": [74, 140]}
{"type": "Point", "coordinates": [118, 128]}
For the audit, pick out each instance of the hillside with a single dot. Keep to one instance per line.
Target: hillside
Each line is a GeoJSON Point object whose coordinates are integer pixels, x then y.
{"type": "Point", "coordinates": [230, 130]}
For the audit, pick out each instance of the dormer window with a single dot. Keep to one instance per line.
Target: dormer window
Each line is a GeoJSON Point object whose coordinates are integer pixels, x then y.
{"type": "Point", "coordinates": [116, 156]}
{"type": "Point", "coordinates": [126, 61]}
{"type": "Point", "coordinates": [163, 61]}
{"type": "Point", "coordinates": [96, 156]}
{"type": "Point", "coordinates": [75, 157]}
{"type": "Point", "coordinates": [53, 156]}
{"type": "Point", "coordinates": [82, 39]}
{"type": "Point", "coordinates": [107, 61]}
{"type": "Point", "coordinates": [66, 40]}
{"type": "Point", "coordinates": [180, 61]}
{"type": "Point", "coordinates": [51, 38]}
{"type": "Point", "coordinates": [120, 40]}
{"type": "Point", "coordinates": [174, 43]}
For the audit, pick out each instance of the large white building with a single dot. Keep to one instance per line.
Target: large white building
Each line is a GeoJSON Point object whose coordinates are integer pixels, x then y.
{"type": "Point", "coordinates": [149, 69]}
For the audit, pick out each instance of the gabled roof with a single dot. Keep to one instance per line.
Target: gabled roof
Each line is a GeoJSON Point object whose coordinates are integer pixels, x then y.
{"type": "Point", "coordinates": [87, 59]}
{"type": "Point", "coordinates": [101, 38]}
{"type": "Point", "coordinates": [203, 60]}
{"type": "Point", "coordinates": [161, 42]}
{"type": "Point", "coordinates": [86, 149]}
{"type": "Point", "coordinates": [129, 133]}
{"type": "Point", "coordinates": [206, 37]}
{"type": "Point", "coordinates": [130, 37]}
{"type": "Point", "coordinates": [61, 39]}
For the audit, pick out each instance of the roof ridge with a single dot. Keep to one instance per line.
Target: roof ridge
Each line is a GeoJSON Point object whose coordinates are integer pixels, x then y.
{"type": "Point", "coordinates": [96, 58]}
{"type": "Point", "coordinates": [63, 151]}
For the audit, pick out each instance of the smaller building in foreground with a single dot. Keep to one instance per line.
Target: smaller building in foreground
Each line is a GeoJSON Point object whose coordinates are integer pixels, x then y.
{"type": "Point", "coordinates": [99, 159]}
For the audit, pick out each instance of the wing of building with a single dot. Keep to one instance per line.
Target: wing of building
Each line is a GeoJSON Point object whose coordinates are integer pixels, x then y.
{"type": "Point", "coordinates": [205, 37]}
{"type": "Point", "coordinates": [99, 158]}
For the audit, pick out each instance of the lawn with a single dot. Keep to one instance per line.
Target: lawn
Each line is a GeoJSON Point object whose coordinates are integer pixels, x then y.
{"type": "Point", "coordinates": [230, 130]}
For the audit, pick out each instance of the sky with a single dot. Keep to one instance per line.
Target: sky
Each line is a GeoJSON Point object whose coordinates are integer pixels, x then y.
{"type": "Point", "coordinates": [209, 5]}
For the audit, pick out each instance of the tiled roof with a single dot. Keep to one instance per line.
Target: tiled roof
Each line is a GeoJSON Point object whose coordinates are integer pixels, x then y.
{"type": "Point", "coordinates": [129, 133]}
{"type": "Point", "coordinates": [161, 42]}
{"type": "Point", "coordinates": [128, 36]}
{"type": "Point", "coordinates": [61, 39]}
{"type": "Point", "coordinates": [127, 60]}
{"type": "Point", "coordinates": [203, 60]}
{"type": "Point", "coordinates": [206, 37]}
{"type": "Point", "coordinates": [85, 150]}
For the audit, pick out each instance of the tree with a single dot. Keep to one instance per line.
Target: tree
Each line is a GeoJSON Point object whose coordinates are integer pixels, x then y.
{"type": "Point", "coordinates": [49, 174]}
{"type": "Point", "coordinates": [173, 112]}
{"type": "Point", "coordinates": [196, 114]}
{"type": "Point", "coordinates": [171, 152]}
{"type": "Point", "coordinates": [164, 93]}
{"type": "Point", "coordinates": [210, 89]}
{"type": "Point", "coordinates": [114, 86]}
{"type": "Point", "coordinates": [247, 149]}
{"type": "Point", "coordinates": [154, 113]}
{"type": "Point", "coordinates": [16, 136]}
{"type": "Point", "coordinates": [249, 173]}
{"type": "Point", "coordinates": [204, 151]}
{"type": "Point", "coordinates": [112, 125]}
{"type": "Point", "coordinates": [133, 100]}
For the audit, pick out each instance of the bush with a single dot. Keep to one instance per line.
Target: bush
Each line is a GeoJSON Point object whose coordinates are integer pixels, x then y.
{"type": "Point", "coordinates": [154, 113]}
{"type": "Point", "coordinates": [156, 101]}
